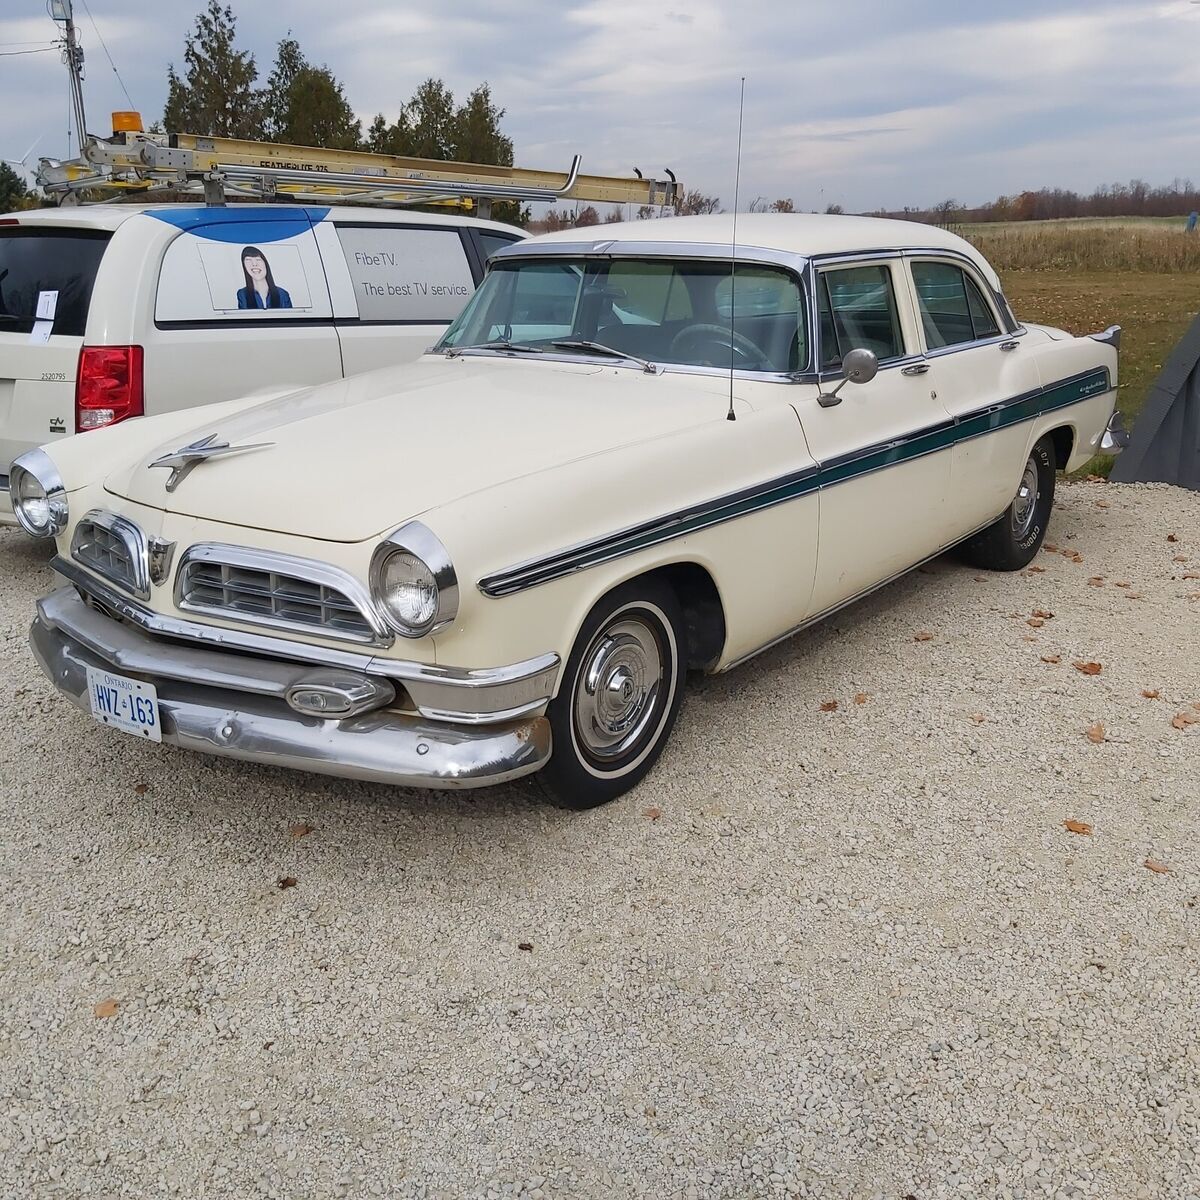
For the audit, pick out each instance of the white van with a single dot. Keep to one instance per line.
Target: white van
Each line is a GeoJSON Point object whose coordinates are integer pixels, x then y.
{"type": "Point", "coordinates": [114, 312]}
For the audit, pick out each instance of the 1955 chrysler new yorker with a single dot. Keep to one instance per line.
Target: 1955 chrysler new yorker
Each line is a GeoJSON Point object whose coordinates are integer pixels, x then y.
{"type": "Point", "coordinates": [637, 451]}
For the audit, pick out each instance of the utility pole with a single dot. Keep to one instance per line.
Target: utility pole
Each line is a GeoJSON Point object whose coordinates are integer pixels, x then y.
{"type": "Point", "coordinates": [61, 11]}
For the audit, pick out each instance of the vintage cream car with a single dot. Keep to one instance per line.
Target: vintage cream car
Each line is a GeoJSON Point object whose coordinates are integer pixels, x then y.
{"type": "Point", "coordinates": [638, 451]}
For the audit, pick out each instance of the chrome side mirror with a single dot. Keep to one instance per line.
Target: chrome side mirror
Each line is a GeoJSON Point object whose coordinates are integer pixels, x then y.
{"type": "Point", "coordinates": [858, 366]}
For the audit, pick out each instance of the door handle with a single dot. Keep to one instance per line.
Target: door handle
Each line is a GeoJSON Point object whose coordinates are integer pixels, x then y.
{"type": "Point", "coordinates": [1010, 345]}
{"type": "Point", "coordinates": [915, 369]}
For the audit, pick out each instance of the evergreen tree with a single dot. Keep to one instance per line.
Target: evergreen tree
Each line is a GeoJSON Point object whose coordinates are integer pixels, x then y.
{"type": "Point", "coordinates": [289, 62]}
{"type": "Point", "coordinates": [14, 195]}
{"type": "Point", "coordinates": [216, 96]}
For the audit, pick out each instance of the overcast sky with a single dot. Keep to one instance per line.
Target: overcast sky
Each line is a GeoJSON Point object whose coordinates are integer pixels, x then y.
{"type": "Point", "coordinates": [866, 103]}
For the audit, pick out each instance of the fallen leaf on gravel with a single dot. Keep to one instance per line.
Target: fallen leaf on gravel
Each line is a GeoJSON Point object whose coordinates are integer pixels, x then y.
{"type": "Point", "coordinates": [829, 706]}
{"type": "Point", "coordinates": [1051, 658]}
{"type": "Point", "coordinates": [1088, 668]}
{"type": "Point", "coordinates": [524, 945]}
{"type": "Point", "coordinates": [1183, 720]}
{"type": "Point", "coordinates": [1192, 575]}
{"type": "Point", "coordinates": [1037, 570]}
{"type": "Point", "coordinates": [1077, 826]}
{"type": "Point", "coordinates": [1095, 479]}
{"type": "Point", "coordinates": [1150, 693]}
{"type": "Point", "coordinates": [978, 718]}
{"type": "Point", "coordinates": [1050, 548]}
{"type": "Point", "coordinates": [1029, 637]}
{"type": "Point", "coordinates": [1157, 867]}
{"type": "Point", "coordinates": [861, 698]}
{"type": "Point", "coordinates": [1101, 503]}
{"type": "Point", "coordinates": [652, 813]}
{"type": "Point", "coordinates": [1196, 706]}
{"type": "Point", "coordinates": [299, 831]}
{"type": "Point", "coordinates": [1181, 558]}
{"type": "Point", "coordinates": [1077, 558]}
{"type": "Point", "coordinates": [1036, 622]}
{"type": "Point", "coordinates": [922, 636]}
{"type": "Point", "coordinates": [106, 1008]}
{"type": "Point", "coordinates": [1096, 581]}
{"type": "Point", "coordinates": [1122, 584]}
{"type": "Point", "coordinates": [141, 788]}
{"type": "Point", "coordinates": [1096, 734]}
{"type": "Point", "coordinates": [1194, 596]}
{"type": "Point", "coordinates": [287, 881]}
{"type": "Point", "coordinates": [1172, 538]}
{"type": "Point", "coordinates": [1041, 612]}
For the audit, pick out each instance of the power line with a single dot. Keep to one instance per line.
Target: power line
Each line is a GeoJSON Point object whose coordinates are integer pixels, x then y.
{"type": "Point", "coordinates": [106, 53]}
{"type": "Point", "coordinates": [14, 53]}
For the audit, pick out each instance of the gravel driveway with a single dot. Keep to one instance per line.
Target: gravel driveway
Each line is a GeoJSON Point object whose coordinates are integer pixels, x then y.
{"type": "Point", "coordinates": [846, 952]}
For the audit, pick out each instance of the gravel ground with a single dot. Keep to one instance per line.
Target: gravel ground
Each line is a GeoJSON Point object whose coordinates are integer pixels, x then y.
{"type": "Point", "coordinates": [840, 953]}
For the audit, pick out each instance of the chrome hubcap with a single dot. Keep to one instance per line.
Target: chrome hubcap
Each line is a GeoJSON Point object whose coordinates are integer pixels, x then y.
{"type": "Point", "coordinates": [618, 688]}
{"type": "Point", "coordinates": [1024, 507]}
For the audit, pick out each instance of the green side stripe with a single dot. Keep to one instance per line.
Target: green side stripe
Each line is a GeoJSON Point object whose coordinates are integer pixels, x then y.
{"type": "Point", "coordinates": [942, 436]}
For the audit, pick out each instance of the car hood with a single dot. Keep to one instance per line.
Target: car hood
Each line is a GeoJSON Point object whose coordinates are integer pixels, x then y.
{"type": "Point", "coordinates": [350, 459]}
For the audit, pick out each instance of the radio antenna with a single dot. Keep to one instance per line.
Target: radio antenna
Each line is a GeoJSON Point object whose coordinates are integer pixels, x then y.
{"type": "Point", "coordinates": [737, 180]}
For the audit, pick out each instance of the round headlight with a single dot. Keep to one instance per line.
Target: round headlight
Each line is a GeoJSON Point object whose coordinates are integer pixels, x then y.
{"type": "Point", "coordinates": [39, 499]}
{"type": "Point", "coordinates": [408, 590]}
{"type": "Point", "coordinates": [413, 582]}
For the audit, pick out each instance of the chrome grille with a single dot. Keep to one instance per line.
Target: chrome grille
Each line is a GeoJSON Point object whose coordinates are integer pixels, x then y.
{"type": "Point", "coordinates": [263, 588]}
{"type": "Point", "coordinates": [113, 547]}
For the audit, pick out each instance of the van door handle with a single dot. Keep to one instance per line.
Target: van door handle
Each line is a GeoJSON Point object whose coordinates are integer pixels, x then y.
{"type": "Point", "coordinates": [1010, 345]}
{"type": "Point", "coordinates": [915, 369]}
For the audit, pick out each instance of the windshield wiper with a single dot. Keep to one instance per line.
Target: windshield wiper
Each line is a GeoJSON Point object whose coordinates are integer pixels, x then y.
{"type": "Point", "coordinates": [499, 344]}
{"type": "Point", "coordinates": [597, 348]}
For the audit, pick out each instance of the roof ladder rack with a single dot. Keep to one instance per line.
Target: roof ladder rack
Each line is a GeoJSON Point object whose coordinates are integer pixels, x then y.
{"type": "Point", "coordinates": [188, 166]}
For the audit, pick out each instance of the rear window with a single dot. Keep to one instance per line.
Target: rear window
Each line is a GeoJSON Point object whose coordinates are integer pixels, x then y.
{"type": "Point", "coordinates": [35, 259]}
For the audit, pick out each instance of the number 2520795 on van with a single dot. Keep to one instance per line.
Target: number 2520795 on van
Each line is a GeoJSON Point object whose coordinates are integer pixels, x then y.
{"type": "Point", "coordinates": [637, 452]}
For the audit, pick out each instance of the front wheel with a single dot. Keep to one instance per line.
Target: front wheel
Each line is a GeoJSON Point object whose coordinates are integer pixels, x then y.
{"type": "Point", "coordinates": [1009, 543]}
{"type": "Point", "coordinates": [619, 696]}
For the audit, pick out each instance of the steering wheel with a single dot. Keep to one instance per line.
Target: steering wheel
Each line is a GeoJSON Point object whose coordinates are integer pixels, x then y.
{"type": "Point", "coordinates": [688, 342]}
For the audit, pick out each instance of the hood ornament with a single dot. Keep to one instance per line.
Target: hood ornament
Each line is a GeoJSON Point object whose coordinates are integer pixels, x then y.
{"type": "Point", "coordinates": [181, 461]}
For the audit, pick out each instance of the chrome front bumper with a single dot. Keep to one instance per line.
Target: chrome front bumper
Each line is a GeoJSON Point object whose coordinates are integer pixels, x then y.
{"type": "Point", "coordinates": [233, 704]}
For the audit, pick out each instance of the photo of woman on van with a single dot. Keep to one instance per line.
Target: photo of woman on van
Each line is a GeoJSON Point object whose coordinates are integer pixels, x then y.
{"type": "Point", "coordinates": [261, 290]}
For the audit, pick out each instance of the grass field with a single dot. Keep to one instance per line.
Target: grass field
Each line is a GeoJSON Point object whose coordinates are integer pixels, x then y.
{"type": "Point", "coordinates": [1083, 276]}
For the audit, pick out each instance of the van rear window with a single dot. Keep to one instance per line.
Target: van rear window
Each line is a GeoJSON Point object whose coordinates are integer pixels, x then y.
{"type": "Point", "coordinates": [35, 259]}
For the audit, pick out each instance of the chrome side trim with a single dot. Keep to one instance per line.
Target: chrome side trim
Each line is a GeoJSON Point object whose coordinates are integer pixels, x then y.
{"type": "Point", "coordinates": [940, 436]}
{"type": "Point", "coordinates": [380, 746]}
{"type": "Point", "coordinates": [462, 695]}
{"type": "Point", "coordinates": [310, 570]}
{"type": "Point", "coordinates": [130, 535]}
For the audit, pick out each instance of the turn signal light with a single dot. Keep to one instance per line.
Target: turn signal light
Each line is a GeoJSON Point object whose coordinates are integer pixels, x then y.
{"type": "Point", "coordinates": [108, 386]}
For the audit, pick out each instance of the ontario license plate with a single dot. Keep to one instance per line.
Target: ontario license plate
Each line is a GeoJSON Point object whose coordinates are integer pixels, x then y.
{"type": "Point", "coordinates": [125, 704]}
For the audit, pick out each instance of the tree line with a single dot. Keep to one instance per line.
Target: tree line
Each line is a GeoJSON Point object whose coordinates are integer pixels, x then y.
{"type": "Point", "coordinates": [1134, 199]}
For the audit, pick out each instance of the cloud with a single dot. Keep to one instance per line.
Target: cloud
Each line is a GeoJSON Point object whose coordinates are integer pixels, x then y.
{"type": "Point", "coordinates": [866, 102]}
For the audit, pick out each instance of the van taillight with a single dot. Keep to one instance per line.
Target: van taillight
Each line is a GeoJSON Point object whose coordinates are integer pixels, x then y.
{"type": "Point", "coordinates": [108, 386]}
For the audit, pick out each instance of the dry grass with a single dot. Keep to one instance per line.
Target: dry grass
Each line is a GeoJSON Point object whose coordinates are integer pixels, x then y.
{"type": "Point", "coordinates": [1153, 309]}
{"type": "Point", "coordinates": [1046, 246]}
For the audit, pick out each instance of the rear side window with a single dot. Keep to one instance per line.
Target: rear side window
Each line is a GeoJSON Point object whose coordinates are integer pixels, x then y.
{"type": "Point", "coordinates": [953, 309]}
{"type": "Point", "coordinates": [35, 259]}
{"type": "Point", "coordinates": [418, 276]}
{"type": "Point", "coordinates": [858, 312]}
{"type": "Point", "coordinates": [489, 243]}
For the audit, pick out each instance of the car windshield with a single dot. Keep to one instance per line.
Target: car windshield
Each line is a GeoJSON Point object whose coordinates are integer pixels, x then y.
{"type": "Point", "coordinates": [654, 310]}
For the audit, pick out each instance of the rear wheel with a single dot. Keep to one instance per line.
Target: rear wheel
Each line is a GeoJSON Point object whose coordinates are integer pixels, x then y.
{"type": "Point", "coordinates": [1009, 543]}
{"type": "Point", "coordinates": [619, 696]}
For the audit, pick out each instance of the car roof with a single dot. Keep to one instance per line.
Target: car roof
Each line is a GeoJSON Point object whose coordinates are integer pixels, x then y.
{"type": "Point", "coordinates": [804, 234]}
{"type": "Point", "coordinates": [112, 216]}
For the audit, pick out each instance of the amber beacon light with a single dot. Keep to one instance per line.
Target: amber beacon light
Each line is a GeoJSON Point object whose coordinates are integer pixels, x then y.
{"type": "Point", "coordinates": [127, 122]}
